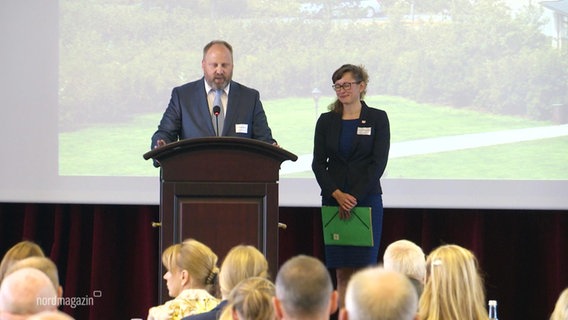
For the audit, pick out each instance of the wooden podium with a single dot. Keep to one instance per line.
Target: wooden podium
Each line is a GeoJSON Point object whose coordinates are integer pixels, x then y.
{"type": "Point", "coordinates": [222, 191]}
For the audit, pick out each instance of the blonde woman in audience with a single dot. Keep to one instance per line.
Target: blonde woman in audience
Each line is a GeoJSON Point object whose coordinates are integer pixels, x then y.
{"type": "Point", "coordinates": [454, 288]}
{"type": "Point", "coordinates": [242, 262]}
{"type": "Point", "coordinates": [561, 309]}
{"type": "Point", "coordinates": [191, 278]}
{"type": "Point", "coordinates": [251, 299]}
{"type": "Point", "coordinates": [19, 251]}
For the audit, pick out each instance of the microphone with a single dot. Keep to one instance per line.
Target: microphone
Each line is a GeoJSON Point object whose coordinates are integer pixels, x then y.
{"type": "Point", "coordinates": [216, 111]}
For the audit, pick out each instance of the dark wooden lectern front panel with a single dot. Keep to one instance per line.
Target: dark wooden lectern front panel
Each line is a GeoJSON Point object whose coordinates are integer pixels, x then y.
{"type": "Point", "coordinates": [223, 221]}
{"type": "Point", "coordinates": [222, 191]}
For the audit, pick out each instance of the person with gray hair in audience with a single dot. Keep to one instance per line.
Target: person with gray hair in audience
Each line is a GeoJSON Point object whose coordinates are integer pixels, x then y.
{"type": "Point", "coordinates": [25, 292]}
{"type": "Point", "coordinates": [379, 294]}
{"type": "Point", "coordinates": [407, 258]}
{"type": "Point", "coordinates": [304, 290]}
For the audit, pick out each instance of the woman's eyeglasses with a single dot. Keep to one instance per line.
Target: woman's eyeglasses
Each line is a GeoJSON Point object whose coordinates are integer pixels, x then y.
{"type": "Point", "coordinates": [345, 85]}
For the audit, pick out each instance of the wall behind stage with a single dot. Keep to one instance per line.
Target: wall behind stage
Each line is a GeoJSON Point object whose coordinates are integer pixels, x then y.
{"type": "Point", "coordinates": [112, 251]}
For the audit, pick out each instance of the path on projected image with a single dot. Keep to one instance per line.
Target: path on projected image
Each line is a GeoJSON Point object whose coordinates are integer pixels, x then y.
{"type": "Point", "coordinates": [450, 143]}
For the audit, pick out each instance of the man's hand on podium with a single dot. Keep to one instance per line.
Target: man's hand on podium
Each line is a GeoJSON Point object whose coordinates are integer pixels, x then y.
{"type": "Point", "coordinates": [160, 143]}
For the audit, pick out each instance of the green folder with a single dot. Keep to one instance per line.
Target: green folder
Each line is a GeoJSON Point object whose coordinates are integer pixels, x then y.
{"type": "Point", "coordinates": [355, 231]}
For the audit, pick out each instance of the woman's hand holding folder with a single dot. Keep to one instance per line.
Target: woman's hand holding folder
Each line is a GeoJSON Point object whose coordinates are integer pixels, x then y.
{"type": "Point", "coordinates": [344, 200]}
{"type": "Point", "coordinates": [344, 214]}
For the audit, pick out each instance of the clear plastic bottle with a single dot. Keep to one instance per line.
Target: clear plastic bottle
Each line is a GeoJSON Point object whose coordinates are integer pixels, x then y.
{"type": "Point", "coordinates": [493, 310]}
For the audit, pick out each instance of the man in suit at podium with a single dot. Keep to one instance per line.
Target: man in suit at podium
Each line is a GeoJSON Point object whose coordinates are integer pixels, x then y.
{"type": "Point", "coordinates": [214, 105]}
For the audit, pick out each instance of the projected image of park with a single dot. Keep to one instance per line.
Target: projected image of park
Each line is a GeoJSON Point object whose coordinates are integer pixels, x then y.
{"type": "Point", "coordinates": [476, 90]}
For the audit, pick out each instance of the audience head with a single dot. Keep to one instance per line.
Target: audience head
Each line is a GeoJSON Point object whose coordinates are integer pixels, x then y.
{"type": "Point", "coordinates": [190, 265]}
{"type": "Point", "coordinates": [376, 293]}
{"type": "Point", "coordinates": [27, 291]}
{"type": "Point", "coordinates": [19, 251]}
{"type": "Point", "coordinates": [454, 288]}
{"type": "Point", "coordinates": [251, 299]}
{"type": "Point", "coordinates": [43, 264]}
{"type": "Point", "coordinates": [407, 258]}
{"type": "Point", "coordinates": [304, 290]}
{"type": "Point", "coordinates": [561, 309]}
{"type": "Point", "coordinates": [241, 262]}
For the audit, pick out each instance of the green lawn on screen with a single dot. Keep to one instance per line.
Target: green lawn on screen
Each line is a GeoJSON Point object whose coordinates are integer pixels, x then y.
{"type": "Point", "coordinates": [117, 149]}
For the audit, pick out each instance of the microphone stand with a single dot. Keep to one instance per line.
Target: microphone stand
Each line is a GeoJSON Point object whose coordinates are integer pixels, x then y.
{"type": "Point", "coordinates": [216, 111]}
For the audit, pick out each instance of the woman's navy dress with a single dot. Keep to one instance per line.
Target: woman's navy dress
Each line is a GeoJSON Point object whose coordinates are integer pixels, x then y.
{"type": "Point", "coordinates": [355, 256]}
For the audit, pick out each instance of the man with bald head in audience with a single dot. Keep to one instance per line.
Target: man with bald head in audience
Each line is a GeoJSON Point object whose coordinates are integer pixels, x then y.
{"type": "Point", "coordinates": [379, 294]}
{"type": "Point", "coordinates": [44, 264]}
{"type": "Point", "coordinates": [25, 292]}
{"type": "Point", "coordinates": [304, 290]}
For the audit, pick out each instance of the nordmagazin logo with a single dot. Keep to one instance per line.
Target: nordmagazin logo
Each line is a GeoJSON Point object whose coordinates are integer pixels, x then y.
{"type": "Point", "coordinates": [71, 302]}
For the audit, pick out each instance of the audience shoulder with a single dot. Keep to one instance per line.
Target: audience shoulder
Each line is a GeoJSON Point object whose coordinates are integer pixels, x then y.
{"type": "Point", "coordinates": [561, 308]}
{"type": "Point", "coordinates": [51, 315]}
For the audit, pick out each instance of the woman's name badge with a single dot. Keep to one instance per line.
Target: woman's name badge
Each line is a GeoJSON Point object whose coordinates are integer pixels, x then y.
{"type": "Point", "coordinates": [363, 131]}
{"type": "Point", "coordinates": [241, 128]}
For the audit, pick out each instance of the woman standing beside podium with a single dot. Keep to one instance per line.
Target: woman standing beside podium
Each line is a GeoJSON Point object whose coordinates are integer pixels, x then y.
{"type": "Point", "coordinates": [351, 147]}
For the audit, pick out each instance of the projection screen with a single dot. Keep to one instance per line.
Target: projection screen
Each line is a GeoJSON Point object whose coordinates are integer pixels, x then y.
{"type": "Point", "coordinates": [475, 93]}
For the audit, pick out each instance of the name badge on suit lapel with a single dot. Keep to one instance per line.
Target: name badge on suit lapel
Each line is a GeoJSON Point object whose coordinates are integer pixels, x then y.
{"type": "Point", "coordinates": [241, 128]}
{"type": "Point", "coordinates": [363, 131]}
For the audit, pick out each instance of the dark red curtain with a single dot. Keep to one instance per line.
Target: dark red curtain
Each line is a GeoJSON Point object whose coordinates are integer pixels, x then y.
{"type": "Point", "coordinates": [108, 254]}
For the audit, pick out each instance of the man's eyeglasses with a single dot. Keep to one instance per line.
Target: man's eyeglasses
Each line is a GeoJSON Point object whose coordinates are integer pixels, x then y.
{"type": "Point", "coordinates": [345, 86]}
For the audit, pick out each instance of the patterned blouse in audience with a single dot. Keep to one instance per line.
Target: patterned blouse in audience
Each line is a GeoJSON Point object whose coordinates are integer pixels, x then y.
{"type": "Point", "coordinates": [188, 302]}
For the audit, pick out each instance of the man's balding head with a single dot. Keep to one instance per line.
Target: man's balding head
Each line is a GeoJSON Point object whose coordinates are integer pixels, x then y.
{"type": "Point", "coordinates": [27, 291]}
{"type": "Point", "coordinates": [376, 293]}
